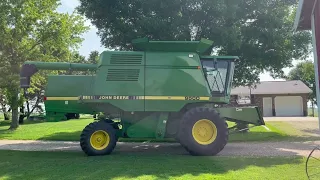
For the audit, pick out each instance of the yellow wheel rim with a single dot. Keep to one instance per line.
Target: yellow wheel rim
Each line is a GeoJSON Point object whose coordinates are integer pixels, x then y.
{"type": "Point", "coordinates": [204, 131]}
{"type": "Point", "coordinates": [99, 140]}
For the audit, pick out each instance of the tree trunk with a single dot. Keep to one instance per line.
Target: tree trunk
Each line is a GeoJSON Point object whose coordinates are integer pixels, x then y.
{"type": "Point", "coordinates": [15, 110]}
{"type": "Point", "coordinates": [312, 106]}
{"type": "Point", "coordinates": [6, 116]}
{"type": "Point", "coordinates": [15, 119]}
{"type": "Point", "coordinates": [22, 115]}
{"type": "Point", "coordinates": [28, 109]}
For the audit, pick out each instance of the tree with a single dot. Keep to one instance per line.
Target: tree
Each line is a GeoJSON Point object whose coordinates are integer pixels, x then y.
{"type": "Point", "coordinates": [3, 104]}
{"type": "Point", "coordinates": [93, 57]}
{"type": "Point", "coordinates": [33, 30]}
{"type": "Point", "coordinates": [304, 71]}
{"type": "Point", "coordinates": [78, 58]}
{"type": "Point", "coordinates": [258, 31]}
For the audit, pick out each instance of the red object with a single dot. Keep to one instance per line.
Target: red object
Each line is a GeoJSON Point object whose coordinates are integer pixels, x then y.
{"type": "Point", "coordinates": [44, 98]}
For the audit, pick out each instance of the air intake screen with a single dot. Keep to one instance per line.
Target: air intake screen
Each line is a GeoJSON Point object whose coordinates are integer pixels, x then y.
{"type": "Point", "coordinates": [132, 59]}
{"type": "Point", "coordinates": [123, 74]}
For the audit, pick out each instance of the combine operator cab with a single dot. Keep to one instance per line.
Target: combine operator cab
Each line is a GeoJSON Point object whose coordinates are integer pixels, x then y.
{"type": "Point", "coordinates": [219, 74]}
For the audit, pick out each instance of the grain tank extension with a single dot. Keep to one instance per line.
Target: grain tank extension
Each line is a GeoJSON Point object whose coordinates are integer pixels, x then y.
{"type": "Point", "coordinates": [161, 89]}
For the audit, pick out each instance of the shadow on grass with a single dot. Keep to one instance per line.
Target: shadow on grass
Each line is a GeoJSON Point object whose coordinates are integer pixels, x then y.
{"type": "Point", "coordinates": [5, 133]}
{"type": "Point", "coordinates": [26, 122]}
{"type": "Point", "coordinates": [62, 136]}
{"type": "Point", "coordinates": [75, 165]}
{"type": "Point", "coordinates": [4, 123]}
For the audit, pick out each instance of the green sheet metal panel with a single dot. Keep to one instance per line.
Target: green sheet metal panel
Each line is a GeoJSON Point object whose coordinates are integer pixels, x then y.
{"type": "Point", "coordinates": [248, 115]}
{"type": "Point", "coordinates": [118, 58]}
{"type": "Point", "coordinates": [172, 59]}
{"type": "Point", "coordinates": [62, 92]}
{"type": "Point", "coordinates": [202, 47]}
{"type": "Point", "coordinates": [121, 74]}
{"type": "Point", "coordinates": [171, 78]}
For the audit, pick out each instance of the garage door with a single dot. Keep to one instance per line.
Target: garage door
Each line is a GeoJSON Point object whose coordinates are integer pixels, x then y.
{"type": "Point", "coordinates": [288, 106]}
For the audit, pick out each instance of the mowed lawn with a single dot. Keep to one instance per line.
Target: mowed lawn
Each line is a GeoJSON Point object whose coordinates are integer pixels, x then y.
{"type": "Point", "coordinates": [16, 165]}
{"type": "Point", "coordinates": [71, 130]}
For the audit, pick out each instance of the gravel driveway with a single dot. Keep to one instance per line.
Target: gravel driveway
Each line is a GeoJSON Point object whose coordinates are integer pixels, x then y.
{"type": "Point", "coordinates": [291, 119]}
{"type": "Point", "coordinates": [231, 149]}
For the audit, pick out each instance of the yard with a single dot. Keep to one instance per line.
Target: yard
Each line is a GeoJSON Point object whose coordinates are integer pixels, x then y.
{"type": "Point", "coordinates": [16, 165]}
{"type": "Point", "coordinates": [70, 131]}
{"type": "Point", "coordinates": [63, 165]}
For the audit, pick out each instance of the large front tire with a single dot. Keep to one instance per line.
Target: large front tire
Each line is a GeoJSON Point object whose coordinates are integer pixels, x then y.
{"type": "Point", "coordinates": [98, 138]}
{"type": "Point", "coordinates": [203, 132]}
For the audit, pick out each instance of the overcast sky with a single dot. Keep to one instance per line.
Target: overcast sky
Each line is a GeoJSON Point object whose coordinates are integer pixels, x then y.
{"type": "Point", "coordinates": [92, 41]}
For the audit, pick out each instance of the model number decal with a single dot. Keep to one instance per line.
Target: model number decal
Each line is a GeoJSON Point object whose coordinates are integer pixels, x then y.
{"type": "Point", "coordinates": [192, 97]}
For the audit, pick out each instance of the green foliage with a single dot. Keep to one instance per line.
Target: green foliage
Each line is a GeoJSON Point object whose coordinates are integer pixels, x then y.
{"type": "Point", "coordinates": [304, 71]}
{"type": "Point", "coordinates": [32, 30]}
{"type": "Point", "coordinates": [78, 58]}
{"type": "Point", "coordinates": [258, 31]}
{"type": "Point", "coordinates": [93, 57]}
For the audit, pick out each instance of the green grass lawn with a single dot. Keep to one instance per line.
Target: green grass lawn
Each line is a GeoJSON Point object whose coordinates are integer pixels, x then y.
{"type": "Point", "coordinates": [16, 165]}
{"type": "Point", "coordinates": [70, 131]}
{"type": "Point", "coordinates": [315, 112]}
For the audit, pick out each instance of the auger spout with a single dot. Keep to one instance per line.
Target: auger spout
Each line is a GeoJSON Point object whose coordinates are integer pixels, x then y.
{"type": "Point", "coordinates": [29, 68]}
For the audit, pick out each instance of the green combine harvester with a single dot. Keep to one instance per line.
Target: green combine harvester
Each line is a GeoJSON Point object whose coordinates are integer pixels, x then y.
{"type": "Point", "coordinates": [161, 89]}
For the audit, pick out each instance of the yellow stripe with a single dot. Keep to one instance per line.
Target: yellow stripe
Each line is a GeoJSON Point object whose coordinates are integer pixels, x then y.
{"type": "Point", "coordinates": [63, 98]}
{"type": "Point", "coordinates": [180, 98]}
{"type": "Point", "coordinates": [164, 98]}
{"type": "Point", "coordinates": [204, 98]}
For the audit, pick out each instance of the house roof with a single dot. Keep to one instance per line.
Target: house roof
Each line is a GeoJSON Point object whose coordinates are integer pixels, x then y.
{"type": "Point", "coordinates": [274, 87]}
{"type": "Point", "coordinates": [303, 15]}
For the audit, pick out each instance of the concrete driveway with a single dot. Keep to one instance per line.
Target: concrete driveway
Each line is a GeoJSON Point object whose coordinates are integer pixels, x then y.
{"type": "Point", "coordinates": [291, 119]}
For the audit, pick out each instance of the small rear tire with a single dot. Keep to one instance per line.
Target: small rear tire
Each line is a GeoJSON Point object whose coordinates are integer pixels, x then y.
{"type": "Point", "coordinates": [98, 138]}
{"type": "Point", "coordinates": [203, 132]}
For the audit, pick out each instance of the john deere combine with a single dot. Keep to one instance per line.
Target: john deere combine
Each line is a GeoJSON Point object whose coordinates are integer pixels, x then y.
{"type": "Point", "coordinates": [161, 89]}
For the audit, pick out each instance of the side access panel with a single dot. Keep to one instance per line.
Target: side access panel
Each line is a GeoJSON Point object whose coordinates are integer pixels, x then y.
{"type": "Point", "coordinates": [247, 115]}
{"type": "Point", "coordinates": [173, 80]}
{"type": "Point", "coordinates": [120, 80]}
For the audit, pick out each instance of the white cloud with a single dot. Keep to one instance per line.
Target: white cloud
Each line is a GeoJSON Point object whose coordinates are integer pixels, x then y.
{"type": "Point", "coordinates": [266, 77]}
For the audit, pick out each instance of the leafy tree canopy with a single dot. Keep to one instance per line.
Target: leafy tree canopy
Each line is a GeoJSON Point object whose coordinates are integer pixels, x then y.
{"type": "Point", "coordinates": [304, 71]}
{"type": "Point", "coordinates": [258, 31]}
{"type": "Point", "coordinates": [32, 30]}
